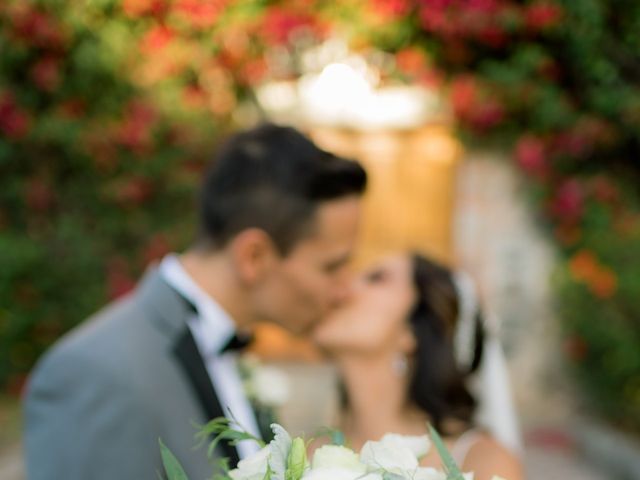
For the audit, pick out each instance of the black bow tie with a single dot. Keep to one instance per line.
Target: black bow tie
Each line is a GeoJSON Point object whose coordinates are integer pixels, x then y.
{"type": "Point", "coordinates": [237, 343]}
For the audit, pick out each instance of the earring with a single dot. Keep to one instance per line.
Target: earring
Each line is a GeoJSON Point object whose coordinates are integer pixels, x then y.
{"type": "Point", "coordinates": [400, 365]}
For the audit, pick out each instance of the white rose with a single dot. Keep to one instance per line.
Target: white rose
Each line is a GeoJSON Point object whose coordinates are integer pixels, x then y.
{"type": "Point", "coordinates": [334, 456]}
{"type": "Point", "coordinates": [391, 455]}
{"type": "Point", "coordinates": [336, 462]}
{"type": "Point", "coordinates": [271, 386]}
{"type": "Point", "coordinates": [253, 467]}
{"type": "Point", "coordinates": [419, 445]}
{"type": "Point", "coordinates": [337, 473]}
{"type": "Point", "coordinates": [428, 473]}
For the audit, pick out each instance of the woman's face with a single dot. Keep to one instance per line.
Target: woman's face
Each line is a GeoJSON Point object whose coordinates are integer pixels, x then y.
{"type": "Point", "coordinates": [375, 315]}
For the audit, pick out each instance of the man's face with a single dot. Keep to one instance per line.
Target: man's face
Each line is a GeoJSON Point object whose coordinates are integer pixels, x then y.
{"type": "Point", "coordinates": [305, 285]}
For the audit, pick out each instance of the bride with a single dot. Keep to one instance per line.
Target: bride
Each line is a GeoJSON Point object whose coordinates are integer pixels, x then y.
{"type": "Point", "coordinates": [393, 343]}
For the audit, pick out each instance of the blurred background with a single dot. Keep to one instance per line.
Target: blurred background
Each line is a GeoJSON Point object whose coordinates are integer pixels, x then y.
{"type": "Point", "coordinates": [502, 137]}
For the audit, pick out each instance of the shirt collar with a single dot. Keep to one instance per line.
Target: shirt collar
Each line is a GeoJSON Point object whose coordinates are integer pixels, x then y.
{"type": "Point", "coordinates": [213, 327]}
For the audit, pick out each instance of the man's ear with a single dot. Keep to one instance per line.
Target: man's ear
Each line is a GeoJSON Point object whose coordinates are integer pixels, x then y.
{"type": "Point", "coordinates": [253, 254]}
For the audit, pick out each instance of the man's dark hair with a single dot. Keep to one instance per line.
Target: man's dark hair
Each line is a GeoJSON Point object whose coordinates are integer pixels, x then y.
{"type": "Point", "coordinates": [273, 178]}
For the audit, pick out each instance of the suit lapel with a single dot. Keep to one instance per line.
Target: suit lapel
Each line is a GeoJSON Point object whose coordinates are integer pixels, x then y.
{"type": "Point", "coordinates": [186, 351]}
{"type": "Point", "coordinates": [170, 314]}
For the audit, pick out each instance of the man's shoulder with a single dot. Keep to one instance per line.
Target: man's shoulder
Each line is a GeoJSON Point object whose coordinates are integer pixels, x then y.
{"type": "Point", "coordinates": [100, 341]}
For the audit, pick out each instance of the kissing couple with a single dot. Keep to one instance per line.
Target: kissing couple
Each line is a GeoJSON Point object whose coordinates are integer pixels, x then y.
{"type": "Point", "coordinates": [278, 221]}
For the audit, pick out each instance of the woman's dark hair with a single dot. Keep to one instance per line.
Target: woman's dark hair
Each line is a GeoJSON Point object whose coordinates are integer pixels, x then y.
{"type": "Point", "coordinates": [437, 385]}
{"type": "Point", "coordinates": [273, 178]}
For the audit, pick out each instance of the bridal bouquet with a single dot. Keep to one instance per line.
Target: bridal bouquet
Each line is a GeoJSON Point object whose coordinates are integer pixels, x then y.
{"type": "Point", "coordinates": [394, 457]}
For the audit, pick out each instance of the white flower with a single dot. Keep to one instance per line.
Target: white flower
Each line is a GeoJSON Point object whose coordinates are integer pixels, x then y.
{"type": "Point", "coordinates": [280, 448]}
{"type": "Point", "coordinates": [253, 467]}
{"type": "Point", "coordinates": [336, 462]}
{"type": "Point", "coordinates": [428, 473]}
{"type": "Point", "coordinates": [419, 445]}
{"type": "Point", "coordinates": [338, 474]}
{"type": "Point", "coordinates": [334, 456]}
{"type": "Point", "coordinates": [389, 454]}
{"type": "Point", "coordinates": [270, 386]}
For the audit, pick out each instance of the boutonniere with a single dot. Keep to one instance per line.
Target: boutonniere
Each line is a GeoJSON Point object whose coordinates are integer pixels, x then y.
{"type": "Point", "coordinates": [267, 387]}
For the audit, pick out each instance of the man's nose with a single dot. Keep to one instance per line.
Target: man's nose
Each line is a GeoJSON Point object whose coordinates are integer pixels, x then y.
{"type": "Point", "coordinates": [342, 292]}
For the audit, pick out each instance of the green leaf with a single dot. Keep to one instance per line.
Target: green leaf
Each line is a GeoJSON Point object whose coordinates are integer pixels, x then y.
{"type": "Point", "coordinates": [221, 429]}
{"type": "Point", "coordinates": [171, 465]}
{"type": "Point", "coordinates": [453, 472]}
{"type": "Point", "coordinates": [392, 476]}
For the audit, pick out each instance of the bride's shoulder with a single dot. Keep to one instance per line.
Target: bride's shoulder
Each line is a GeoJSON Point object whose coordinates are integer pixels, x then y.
{"type": "Point", "coordinates": [485, 454]}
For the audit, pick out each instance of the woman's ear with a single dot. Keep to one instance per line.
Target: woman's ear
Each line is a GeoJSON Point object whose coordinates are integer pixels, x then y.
{"type": "Point", "coordinates": [253, 254]}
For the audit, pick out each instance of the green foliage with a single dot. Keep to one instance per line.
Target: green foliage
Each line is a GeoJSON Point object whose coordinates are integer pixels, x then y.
{"type": "Point", "coordinates": [452, 470]}
{"type": "Point", "coordinates": [95, 181]}
{"type": "Point", "coordinates": [602, 324]}
{"type": "Point", "coordinates": [222, 429]}
{"type": "Point", "coordinates": [110, 108]}
{"type": "Point", "coordinates": [172, 467]}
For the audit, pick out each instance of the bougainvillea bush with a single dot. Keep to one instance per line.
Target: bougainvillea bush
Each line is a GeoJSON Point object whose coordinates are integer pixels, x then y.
{"type": "Point", "coordinates": [110, 108]}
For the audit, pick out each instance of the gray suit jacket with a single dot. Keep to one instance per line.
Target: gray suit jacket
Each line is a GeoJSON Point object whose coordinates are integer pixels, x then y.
{"type": "Point", "coordinates": [98, 402]}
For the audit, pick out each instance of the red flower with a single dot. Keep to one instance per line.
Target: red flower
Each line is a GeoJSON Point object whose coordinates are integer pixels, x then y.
{"type": "Point", "coordinates": [37, 28]}
{"type": "Point", "coordinates": [279, 23]}
{"type": "Point", "coordinates": [493, 36]}
{"type": "Point", "coordinates": [463, 95]}
{"type": "Point", "coordinates": [604, 284]}
{"type": "Point", "coordinates": [45, 73]}
{"type": "Point", "coordinates": [392, 8]}
{"type": "Point", "coordinates": [583, 265]}
{"type": "Point", "coordinates": [486, 114]}
{"type": "Point", "coordinates": [531, 156]}
{"type": "Point", "coordinates": [156, 39]}
{"type": "Point", "coordinates": [435, 19]}
{"type": "Point", "coordinates": [234, 47]}
{"type": "Point", "coordinates": [252, 72]}
{"type": "Point", "coordinates": [573, 143]}
{"type": "Point", "coordinates": [133, 191]}
{"type": "Point", "coordinates": [14, 121]}
{"type": "Point", "coordinates": [488, 7]}
{"type": "Point", "coordinates": [568, 202]}
{"type": "Point", "coordinates": [437, 4]}
{"type": "Point", "coordinates": [135, 130]}
{"type": "Point", "coordinates": [194, 97]}
{"type": "Point", "coordinates": [139, 8]}
{"type": "Point", "coordinates": [542, 15]}
{"type": "Point", "coordinates": [411, 61]}
{"type": "Point", "coordinates": [200, 14]}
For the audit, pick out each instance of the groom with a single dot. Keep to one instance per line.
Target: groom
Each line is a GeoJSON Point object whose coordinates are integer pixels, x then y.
{"type": "Point", "coordinates": [278, 219]}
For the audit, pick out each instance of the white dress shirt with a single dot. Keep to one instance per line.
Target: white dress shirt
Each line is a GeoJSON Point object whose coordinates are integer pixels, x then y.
{"type": "Point", "coordinates": [212, 328]}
